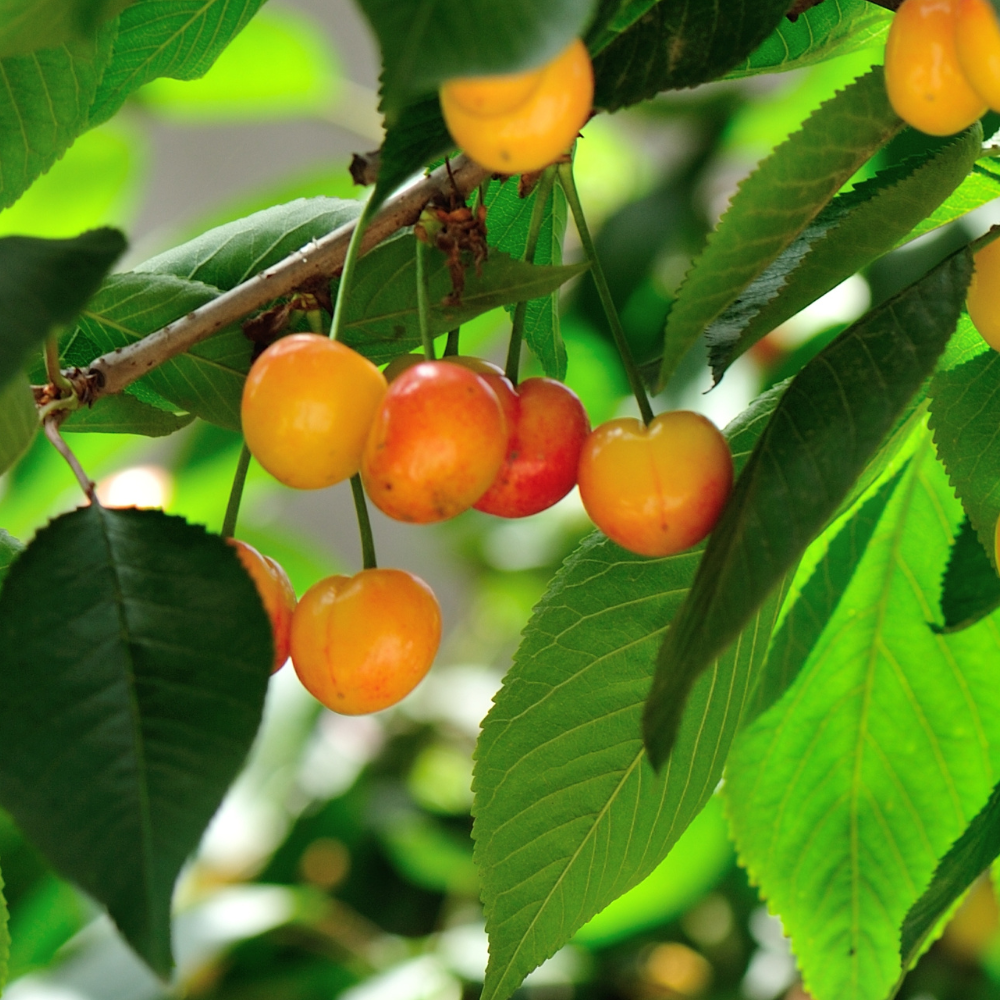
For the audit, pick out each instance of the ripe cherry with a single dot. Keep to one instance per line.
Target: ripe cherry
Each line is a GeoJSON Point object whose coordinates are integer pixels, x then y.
{"type": "Point", "coordinates": [977, 42]}
{"type": "Point", "coordinates": [276, 593]}
{"type": "Point", "coordinates": [435, 444]}
{"type": "Point", "coordinates": [983, 300]}
{"type": "Point", "coordinates": [521, 121]}
{"type": "Point", "coordinates": [307, 405]}
{"type": "Point", "coordinates": [362, 643]}
{"type": "Point", "coordinates": [656, 490]}
{"type": "Point", "coordinates": [925, 82]}
{"type": "Point", "coordinates": [547, 426]}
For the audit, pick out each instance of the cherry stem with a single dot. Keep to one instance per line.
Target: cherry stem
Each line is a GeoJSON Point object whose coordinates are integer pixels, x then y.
{"type": "Point", "coordinates": [314, 317]}
{"type": "Point", "coordinates": [236, 493]}
{"type": "Point", "coordinates": [364, 524]}
{"type": "Point", "coordinates": [347, 272]}
{"type": "Point", "coordinates": [597, 272]}
{"type": "Point", "coordinates": [542, 192]}
{"type": "Point", "coordinates": [52, 367]}
{"type": "Point", "coordinates": [51, 426]}
{"type": "Point", "coordinates": [451, 346]}
{"type": "Point", "coordinates": [423, 305]}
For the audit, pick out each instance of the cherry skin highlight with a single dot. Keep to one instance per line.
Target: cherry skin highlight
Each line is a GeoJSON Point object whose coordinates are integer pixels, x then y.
{"type": "Point", "coordinates": [435, 445]}
{"type": "Point", "coordinates": [547, 427]}
{"type": "Point", "coordinates": [925, 82]}
{"type": "Point", "coordinates": [362, 643]}
{"type": "Point", "coordinates": [276, 593]}
{"type": "Point", "coordinates": [307, 405]}
{"type": "Point", "coordinates": [656, 490]}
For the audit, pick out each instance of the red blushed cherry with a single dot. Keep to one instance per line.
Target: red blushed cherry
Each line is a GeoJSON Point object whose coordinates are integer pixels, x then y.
{"type": "Point", "coordinates": [547, 427]}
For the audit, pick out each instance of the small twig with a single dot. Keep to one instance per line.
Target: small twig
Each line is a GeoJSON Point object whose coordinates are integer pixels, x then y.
{"type": "Point", "coordinates": [542, 193]}
{"type": "Point", "coordinates": [423, 306]}
{"type": "Point", "coordinates": [51, 426]}
{"type": "Point", "coordinates": [236, 493]}
{"type": "Point", "coordinates": [320, 259]}
{"type": "Point", "coordinates": [52, 367]}
{"type": "Point", "coordinates": [364, 524]}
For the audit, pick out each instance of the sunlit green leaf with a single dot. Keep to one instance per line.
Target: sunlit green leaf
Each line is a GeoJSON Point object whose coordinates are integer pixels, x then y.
{"type": "Point", "coordinates": [569, 813]}
{"type": "Point", "coordinates": [833, 28]}
{"type": "Point", "coordinates": [776, 203]}
{"type": "Point", "coordinates": [827, 427]}
{"type": "Point", "coordinates": [851, 232]}
{"type": "Point", "coordinates": [114, 758]}
{"type": "Point", "coordinates": [843, 796]}
{"type": "Point", "coordinates": [27, 25]}
{"type": "Point", "coordinates": [18, 421]}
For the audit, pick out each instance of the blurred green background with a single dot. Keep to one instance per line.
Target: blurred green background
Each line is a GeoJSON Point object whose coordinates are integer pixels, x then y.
{"type": "Point", "coordinates": [341, 862]}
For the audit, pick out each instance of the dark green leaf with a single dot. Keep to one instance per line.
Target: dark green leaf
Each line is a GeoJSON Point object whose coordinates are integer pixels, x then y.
{"type": "Point", "coordinates": [851, 232]}
{"type": "Point", "coordinates": [4, 938]}
{"type": "Point", "coordinates": [416, 137]}
{"type": "Point", "coordinates": [176, 38]}
{"type": "Point", "coordinates": [834, 28]}
{"type": "Point", "coordinates": [27, 25]}
{"type": "Point", "coordinates": [971, 587]}
{"type": "Point", "coordinates": [678, 43]}
{"type": "Point", "coordinates": [381, 316]}
{"type": "Point", "coordinates": [125, 414]}
{"type": "Point", "coordinates": [819, 599]}
{"type": "Point", "coordinates": [44, 106]}
{"type": "Point", "coordinates": [507, 222]}
{"type": "Point", "coordinates": [156, 652]}
{"type": "Point", "coordinates": [18, 421]}
{"type": "Point", "coordinates": [828, 426]}
{"type": "Point", "coordinates": [424, 43]}
{"type": "Point", "coordinates": [569, 813]}
{"type": "Point", "coordinates": [776, 203]}
{"type": "Point", "coordinates": [845, 794]}
{"type": "Point", "coordinates": [10, 547]}
{"type": "Point", "coordinates": [228, 255]}
{"type": "Point", "coordinates": [208, 379]}
{"type": "Point", "coordinates": [965, 405]}
{"type": "Point", "coordinates": [968, 858]}
{"type": "Point", "coordinates": [44, 284]}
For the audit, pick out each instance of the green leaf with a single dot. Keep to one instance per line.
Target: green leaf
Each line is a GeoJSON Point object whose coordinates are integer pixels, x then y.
{"type": "Point", "coordinates": [424, 43]}
{"type": "Point", "coordinates": [568, 812]}
{"type": "Point", "coordinates": [4, 937]}
{"type": "Point", "coordinates": [27, 25]}
{"type": "Point", "coordinates": [414, 138]}
{"type": "Point", "coordinates": [965, 403]}
{"type": "Point", "coordinates": [44, 106]}
{"type": "Point", "coordinates": [114, 757]}
{"type": "Point", "coordinates": [678, 43]}
{"type": "Point", "coordinates": [18, 421]}
{"type": "Point", "coordinates": [776, 203]}
{"type": "Point", "coordinates": [851, 232]}
{"type": "Point", "coordinates": [44, 284]}
{"type": "Point", "coordinates": [228, 255]}
{"type": "Point", "coordinates": [125, 414]}
{"type": "Point", "coordinates": [968, 858]}
{"type": "Point", "coordinates": [819, 599]}
{"type": "Point", "coordinates": [844, 795]}
{"type": "Point", "coordinates": [381, 316]}
{"type": "Point", "coordinates": [834, 28]}
{"type": "Point", "coordinates": [828, 425]}
{"type": "Point", "coordinates": [10, 548]}
{"type": "Point", "coordinates": [206, 380]}
{"type": "Point", "coordinates": [508, 218]}
{"type": "Point", "coordinates": [176, 38]}
{"type": "Point", "coordinates": [971, 588]}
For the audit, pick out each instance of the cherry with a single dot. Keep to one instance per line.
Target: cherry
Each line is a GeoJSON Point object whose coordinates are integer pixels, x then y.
{"type": "Point", "coordinates": [984, 289]}
{"type": "Point", "coordinates": [276, 593]}
{"type": "Point", "coordinates": [925, 82]}
{"type": "Point", "coordinates": [362, 643]}
{"type": "Point", "coordinates": [307, 405]}
{"type": "Point", "coordinates": [521, 121]}
{"type": "Point", "coordinates": [656, 490]}
{"type": "Point", "coordinates": [547, 427]}
{"type": "Point", "coordinates": [435, 445]}
{"type": "Point", "coordinates": [977, 42]}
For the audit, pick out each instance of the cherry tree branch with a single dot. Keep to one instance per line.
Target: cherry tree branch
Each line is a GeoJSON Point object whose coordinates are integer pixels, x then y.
{"type": "Point", "coordinates": [321, 258]}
